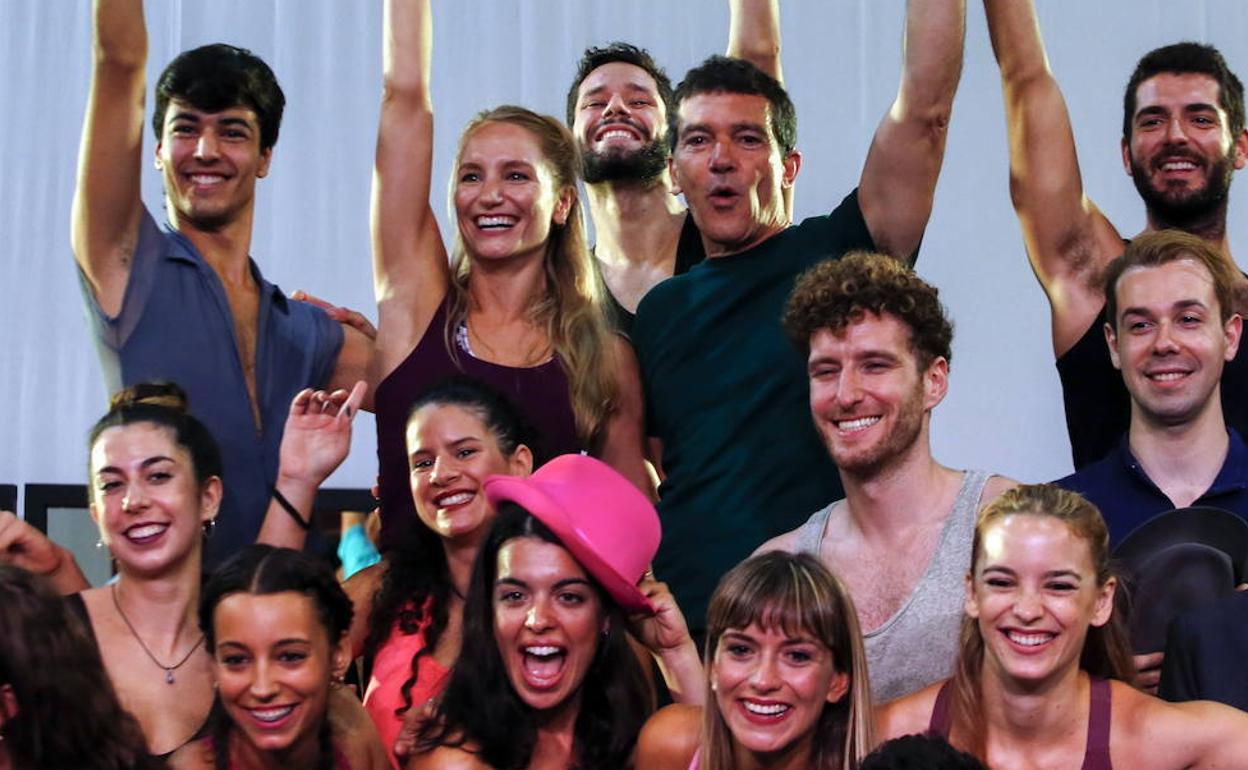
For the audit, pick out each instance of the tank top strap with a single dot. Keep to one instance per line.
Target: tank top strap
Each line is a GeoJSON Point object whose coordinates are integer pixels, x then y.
{"type": "Point", "coordinates": [696, 763]}
{"type": "Point", "coordinates": [810, 534]}
{"type": "Point", "coordinates": [971, 493]}
{"type": "Point", "coordinates": [1096, 755]}
{"type": "Point", "coordinates": [942, 712]}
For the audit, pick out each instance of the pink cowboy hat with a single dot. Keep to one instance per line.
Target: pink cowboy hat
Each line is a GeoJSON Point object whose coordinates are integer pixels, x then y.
{"type": "Point", "coordinates": [606, 523]}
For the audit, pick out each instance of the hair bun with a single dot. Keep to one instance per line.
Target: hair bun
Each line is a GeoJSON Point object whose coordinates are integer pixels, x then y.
{"type": "Point", "coordinates": [161, 393]}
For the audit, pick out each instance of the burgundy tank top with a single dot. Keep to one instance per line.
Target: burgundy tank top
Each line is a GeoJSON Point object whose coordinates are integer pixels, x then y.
{"type": "Point", "coordinates": [1095, 755]}
{"type": "Point", "coordinates": [540, 393]}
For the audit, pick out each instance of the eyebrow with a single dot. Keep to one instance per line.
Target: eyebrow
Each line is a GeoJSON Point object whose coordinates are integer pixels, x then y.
{"type": "Point", "coordinates": [1182, 304]}
{"type": "Point", "coordinates": [456, 443]}
{"type": "Point", "coordinates": [732, 128]}
{"type": "Point", "coordinates": [1050, 574]}
{"type": "Point", "coordinates": [142, 466]}
{"type": "Point", "coordinates": [629, 86]}
{"type": "Point", "coordinates": [558, 584]}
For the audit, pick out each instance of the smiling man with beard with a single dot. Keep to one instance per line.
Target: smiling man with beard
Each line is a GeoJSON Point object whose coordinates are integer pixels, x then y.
{"type": "Point", "coordinates": [618, 108]}
{"type": "Point", "coordinates": [878, 345]}
{"type": "Point", "coordinates": [1183, 138]}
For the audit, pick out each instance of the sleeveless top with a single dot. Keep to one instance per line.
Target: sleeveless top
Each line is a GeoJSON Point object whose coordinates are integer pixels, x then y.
{"type": "Point", "coordinates": [340, 760]}
{"type": "Point", "coordinates": [1096, 753]}
{"type": "Point", "coordinates": [540, 394]}
{"type": "Point", "coordinates": [919, 643]}
{"type": "Point", "coordinates": [79, 608]}
{"type": "Point", "coordinates": [696, 762]}
{"type": "Point", "coordinates": [392, 666]}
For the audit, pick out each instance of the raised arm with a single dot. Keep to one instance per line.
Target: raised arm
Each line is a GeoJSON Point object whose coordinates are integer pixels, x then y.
{"type": "Point", "coordinates": [754, 34]}
{"type": "Point", "coordinates": [410, 274]}
{"type": "Point", "coordinates": [107, 206]}
{"type": "Point", "coordinates": [903, 164]}
{"type": "Point", "coordinates": [1068, 240]}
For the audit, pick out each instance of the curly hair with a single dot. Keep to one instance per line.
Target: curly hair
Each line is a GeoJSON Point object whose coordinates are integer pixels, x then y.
{"type": "Point", "coordinates": [836, 293]}
{"type": "Point", "coordinates": [68, 716]}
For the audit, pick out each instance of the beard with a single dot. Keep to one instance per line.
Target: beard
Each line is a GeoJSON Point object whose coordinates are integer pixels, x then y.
{"type": "Point", "coordinates": [1181, 207]}
{"type": "Point", "coordinates": [641, 165]}
{"type": "Point", "coordinates": [870, 461]}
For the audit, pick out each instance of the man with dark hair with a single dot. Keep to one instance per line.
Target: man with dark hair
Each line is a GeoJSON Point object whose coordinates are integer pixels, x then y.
{"type": "Point", "coordinates": [1172, 328]}
{"type": "Point", "coordinates": [1182, 139]}
{"type": "Point", "coordinates": [185, 302]}
{"type": "Point", "coordinates": [726, 395]}
{"type": "Point", "coordinates": [618, 108]}
{"type": "Point", "coordinates": [877, 345]}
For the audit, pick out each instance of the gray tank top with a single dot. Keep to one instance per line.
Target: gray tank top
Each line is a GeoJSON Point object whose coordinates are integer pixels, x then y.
{"type": "Point", "coordinates": [918, 644]}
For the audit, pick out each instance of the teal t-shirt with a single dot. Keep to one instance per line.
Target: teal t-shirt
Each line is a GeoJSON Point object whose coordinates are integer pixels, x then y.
{"type": "Point", "coordinates": [727, 394]}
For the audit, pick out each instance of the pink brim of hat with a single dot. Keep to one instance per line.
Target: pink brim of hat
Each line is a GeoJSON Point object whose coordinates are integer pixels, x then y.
{"type": "Point", "coordinates": [550, 512]}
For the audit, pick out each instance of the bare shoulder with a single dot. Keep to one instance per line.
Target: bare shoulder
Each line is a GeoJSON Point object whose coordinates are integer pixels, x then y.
{"type": "Point", "coordinates": [670, 738]}
{"type": "Point", "coordinates": [995, 487]}
{"type": "Point", "coordinates": [354, 733]}
{"type": "Point", "coordinates": [906, 715]}
{"type": "Point", "coordinates": [446, 758]}
{"type": "Point", "coordinates": [1150, 732]}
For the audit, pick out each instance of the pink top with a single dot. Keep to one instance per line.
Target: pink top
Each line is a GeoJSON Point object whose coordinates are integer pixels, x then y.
{"type": "Point", "coordinates": [392, 666]}
{"type": "Point", "coordinates": [697, 760]}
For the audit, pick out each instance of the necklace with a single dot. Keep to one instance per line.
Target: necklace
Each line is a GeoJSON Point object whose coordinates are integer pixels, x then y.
{"type": "Point", "coordinates": [167, 669]}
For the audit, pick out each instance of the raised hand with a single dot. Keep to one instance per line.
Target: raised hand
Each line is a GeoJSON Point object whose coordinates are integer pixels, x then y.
{"type": "Point", "coordinates": [317, 436]}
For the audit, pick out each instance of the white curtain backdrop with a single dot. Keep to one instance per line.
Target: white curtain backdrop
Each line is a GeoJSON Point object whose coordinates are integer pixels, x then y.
{"type": "Point", "coordinates": [841, 61]}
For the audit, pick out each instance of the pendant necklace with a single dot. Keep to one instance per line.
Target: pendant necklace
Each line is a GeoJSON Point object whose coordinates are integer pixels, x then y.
{"type": "Point", "coordinates": [167, 669]}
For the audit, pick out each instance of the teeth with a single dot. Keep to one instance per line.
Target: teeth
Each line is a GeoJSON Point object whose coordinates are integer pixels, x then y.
{"type": "Point", "coordinates": [616, 134]}
{"type": "Point", "coordinates": [858, 424]}
{"type": "Point", "coordinates": [769, 709]}
{"type": "Point", "coordinates": [1167, 376]}
{"type": "Point", "coordinates": [147, 530]}
{"type": "Point", "coordinates": [455, 499]}
{"type": "Point", "coordinates": [272, 714]}
{"type": "Point", "coordinates": [206, 179]}
{"type": "Point", "coordinates": [1178, 165]}
{"type": "Point", "coordinates": [495, 221]}
{"type": "Point", "coordinates": [1029, 640]}
{"type": "Point", "coordinates": [543, 651]}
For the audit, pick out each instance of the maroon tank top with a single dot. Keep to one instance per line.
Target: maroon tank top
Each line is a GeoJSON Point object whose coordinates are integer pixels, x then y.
{"type": "Point", "coordinates": [540, 393]}
{"type": "Point", "coordinates": [1095, 755]}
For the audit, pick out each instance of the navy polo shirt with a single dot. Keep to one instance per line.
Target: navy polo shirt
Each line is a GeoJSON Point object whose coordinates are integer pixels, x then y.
{"type": "Point", "coordinates": [175, 324]}
{"type": "Point", "coordinates": [1127, 497]}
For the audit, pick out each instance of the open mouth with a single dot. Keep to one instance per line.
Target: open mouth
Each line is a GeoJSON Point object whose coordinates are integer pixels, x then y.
{"type": "Point", "coordinates": [272, 716]}
{"type": "Point", "coordinates": [453, 499]}
{"type": "Point", "coordinates": [764, 712]}
{"type": "Point", "coordinates": [1168, 376]}
{"type": "Point", "coordinates": [857, 424]}
{"type": "Point", "coordinates": [723, 196]}
{"type": "Point", "coordinates": [1029, 640]}
{"type": "Point", "coordinates": [206, 180]}
{"type": "Point", "coordinates": [144, 534]}
{"type": "Point", "coordinates": [543, 665]}
{"type": "Point", "coordinates": [496, 222]}
{"type": "Point", "coordinates": [617, 132]}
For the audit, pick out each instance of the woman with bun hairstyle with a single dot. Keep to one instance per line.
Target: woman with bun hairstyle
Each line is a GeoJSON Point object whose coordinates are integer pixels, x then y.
{"type": "Point", "coordinates": [546, 677]}
{"type": "Point", "coordinates": [155, 486]}
{"type": "Point", "coordinates": [517, 305]}
{"type": "Point", "coordinates": [58, 710]}
{"type": "Point", "coordinates": [1044, 671]}
{"type": "Point", "coordinates": [786, 677]}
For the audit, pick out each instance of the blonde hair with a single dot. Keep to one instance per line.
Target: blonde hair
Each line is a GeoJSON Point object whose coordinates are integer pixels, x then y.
{"type": "Point", "coordinates": [797, 594]}
{"type": "Point", "coordinates": [570, 310]}
{"type": "Point", "coordinates": [1106, 649]}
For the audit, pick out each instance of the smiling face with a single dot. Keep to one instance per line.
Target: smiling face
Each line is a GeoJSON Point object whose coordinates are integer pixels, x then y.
{"type": "Point", "coordinates": [868, 398]}
{"type": "Point", "coordinates": [210, 162]}
{"type": "Point", "coordinates": [771, 688]}
{"type": "Point", "coordinates": [505, 196]}
{"type": "Point", "coordinates": [731, 170]}
{"type": "Point", "coordinates": [1034, 594]}
{"type": "Point", "coordinates": [451, 452]}
{"type": "Point", "coordinates": [620, 125]}
{"type": "Point", "coordinates": [1171, 344]}
{"type": "Point", "coordinates": [1181, 153]}
{"type": "Point", "coordinates": [548, 617]}
{"type": "Point", "coordinates": [273, 665]}
{"type": "Point", "coordinates": [145, 498]}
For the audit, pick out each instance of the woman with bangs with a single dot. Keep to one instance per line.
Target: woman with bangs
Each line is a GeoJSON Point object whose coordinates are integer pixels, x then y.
{"type": "Point", "coordinates": [517, 306]}
{"type": "Point", "coordinates": [786, 679]}
{"type": "Point", "coordinates": [1044, 671]}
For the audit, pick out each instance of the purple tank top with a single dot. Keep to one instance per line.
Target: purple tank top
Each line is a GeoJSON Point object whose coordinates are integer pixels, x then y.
{"type": "Point", "coordinates": [1095, 755]}
{"type": "Point", "coordinates": [540, 393]}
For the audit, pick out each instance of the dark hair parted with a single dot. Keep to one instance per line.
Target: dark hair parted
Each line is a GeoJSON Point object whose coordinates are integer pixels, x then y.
{"type": "Point", "coordinates": [595, 57]}
{"type": "Point", "coordinates": [1106, 649]}
{"type": "Point", "coordinates": [919, 752]}
{"type": "Point", "coordinates": [1181, 59]}
{"type": "Point", "coordinates": [163, 404]}
{"type": "Point", "coordinates": [839, 292]}
{"type": "Point", "coordinates": [217, 77]}
{"type": "Point", "coordinates": [416, 586]}
{"type": "Point", "coordinates": [798, 595]}
{"type": "Point", "coordinates": [481, 712]}
{"type": "Point", "coordinates": [262, 570]}
{"type": "Point", "coordinates": [1163, 247]}
{"type": "Point", "coordinates": [725, 75]}
{"type": "Point", "coordinates": [68, 716]}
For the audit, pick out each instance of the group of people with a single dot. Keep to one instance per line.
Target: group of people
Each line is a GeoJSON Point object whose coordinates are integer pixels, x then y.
{"type": "Point", "coordinates": [833, 587]}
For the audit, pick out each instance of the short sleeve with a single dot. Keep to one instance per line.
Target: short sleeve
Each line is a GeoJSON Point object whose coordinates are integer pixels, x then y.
{"type": "Point", "coordinates": [113, 331]}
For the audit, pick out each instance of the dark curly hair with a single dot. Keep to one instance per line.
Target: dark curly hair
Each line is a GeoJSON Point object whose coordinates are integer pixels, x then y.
{"type": "Point", "coordinates": [68, 716]}
{"type": "Point", "coordinates": [415, 588]}
{"type": "Point", "coordinates": [595, 57]}
{"type": "Point", "coordinates": [919, 752]}
{"type": "Point", "coordinates": [480, 711]}
{"type": "Point", "coordinates": [1181, 59]}
{"type": "Point", "coordinates": [261, 570]}
{"type": "Point", "coordinates": [217, 77]}
{"type": "Point", "coordinates": [725, 75]}
{"type": "Point", "coordinates": [836, 293]}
